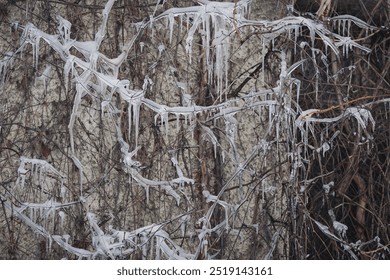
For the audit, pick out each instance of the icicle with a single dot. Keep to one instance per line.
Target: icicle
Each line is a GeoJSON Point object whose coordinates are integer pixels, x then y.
{"type": "Point", "coordinates": [177, 123]}
{"type": "Point", "coordinates": [181, 23]}
{"type": "Point", "coordinates": [212, 137]}
{"type": "Point", "coordinates": [277, 132]}
{"type": "Point", "coordinates": [66, 238]}
{"type": "Point", "coordinates": [62, 217]}
{"type": "Point", "coordinates": [298, 86]}
{"type": "Point", "coordinates": [46, 75]}
{"type": "Point", "coordinates": [133, 99]}
{"type": "Point", "coordinates": [22, 172]}
{"type": "Point", "coordinates": [271, 114]}
{"type": "Point", "coordinates": [41, 176]}
{"type": "Point", "coordinates": [161, 48]}
{"type": "Point", "coordinates": [187, 22]}
{"type": "Point", "coordinates": [176, 164]}
{"type": "Point", "coordinates": [171, 19]}
{"type": "Point", "coordinates": [36, 50]}
{"type": "Point", "coordinates": [189, 47]}
{"type": "Point", "coordinates": [135, 117]}
{"type": "Point", "coordinates": [170, 191]}
{"type": "Point", "coordinates": [32, 215]}
{"type": "Point", "coordinates": [263, 54]}
{"type": "Point", "coordinates": [147, 193]}
{"type": "Point", "coordinates": [312, 37]}
{"type": "Point", "coordinates": [231, 130]}
{"type": "Point", "coordinates": [164, 119]}
{"type": "Point", "coordinates": [129, 120]}
{"type": "Point", "coordinates": [40, 212]}
{"type": "Point", "coordinates": [283, 67]}
{"type": "Point", "coordinates": [76, 104]}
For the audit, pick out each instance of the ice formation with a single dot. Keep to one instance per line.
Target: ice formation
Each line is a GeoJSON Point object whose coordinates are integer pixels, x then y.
{"type": "Point", "coordinates": [93, 74]}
